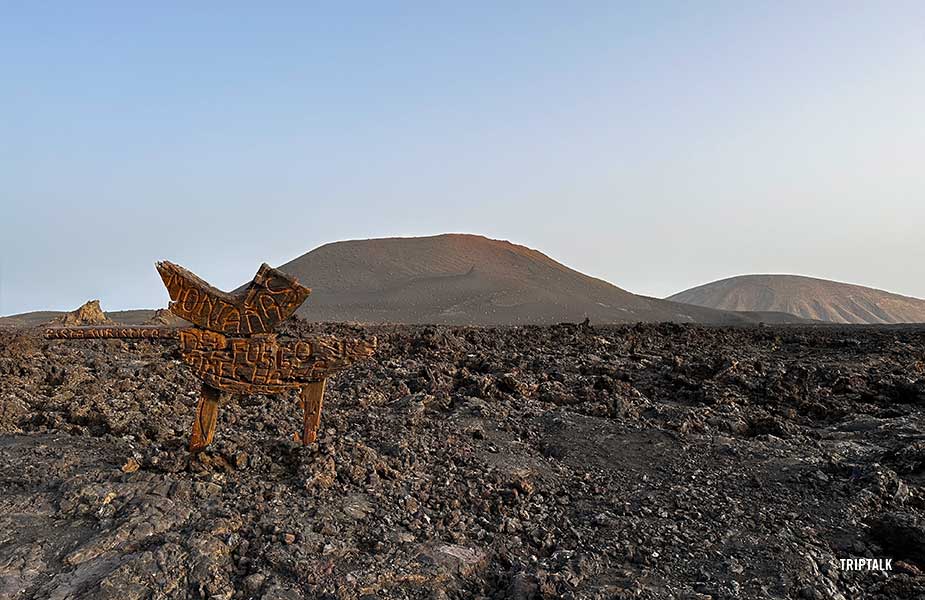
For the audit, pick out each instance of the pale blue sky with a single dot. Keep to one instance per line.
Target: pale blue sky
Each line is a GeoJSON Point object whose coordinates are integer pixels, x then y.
{"type": "Point", "coordinates": [657, 145]}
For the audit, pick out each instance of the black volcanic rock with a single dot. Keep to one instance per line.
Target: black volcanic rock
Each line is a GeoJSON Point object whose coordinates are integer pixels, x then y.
{"type": "Point", "coordinates": [642, 461]}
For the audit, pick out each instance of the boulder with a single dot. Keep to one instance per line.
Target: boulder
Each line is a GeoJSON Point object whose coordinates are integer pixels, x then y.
{"type": "Point", "coordinates": [88, 314]}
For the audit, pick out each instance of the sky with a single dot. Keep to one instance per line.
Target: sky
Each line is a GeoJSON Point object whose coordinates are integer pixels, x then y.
{"type": "Point", "coordinates": [657, 145]}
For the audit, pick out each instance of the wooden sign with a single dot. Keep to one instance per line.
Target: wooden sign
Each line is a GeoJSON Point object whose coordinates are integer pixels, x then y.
{"type": "Point", "coordinates": [233, 348]}
{"type": "Point", "coordinates": [272, 297]}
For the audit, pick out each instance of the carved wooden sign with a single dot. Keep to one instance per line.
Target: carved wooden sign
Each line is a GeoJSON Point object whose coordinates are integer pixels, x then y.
{"type": "Point", "coordinates": [265, 365]}
{"type": "Point", "coordinates": [109, 332]}
{"type": "Point", "coordinates": [233, 348]}
{"type": "Point", "coordinates": [268, 300]}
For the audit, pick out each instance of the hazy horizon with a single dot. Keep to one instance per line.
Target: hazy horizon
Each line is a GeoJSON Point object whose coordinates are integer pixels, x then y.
{"type": "Point", "coordinates": [658, 147]}
{"type": "Point", "coordinates": [231, 287]}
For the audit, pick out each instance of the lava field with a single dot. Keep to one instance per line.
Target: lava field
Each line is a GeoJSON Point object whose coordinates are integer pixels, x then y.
{"type": "Point", "coordinates": [644, 461]}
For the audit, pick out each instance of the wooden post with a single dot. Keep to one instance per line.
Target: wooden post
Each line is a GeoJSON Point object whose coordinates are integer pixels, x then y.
{"type": "Point", "coordinates": [312, 398]}
{"type": "Point", "coordinates": [206, 416]}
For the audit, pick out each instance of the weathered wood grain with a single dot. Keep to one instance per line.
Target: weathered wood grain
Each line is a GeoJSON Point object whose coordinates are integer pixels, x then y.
{"type": "Point", "coordinates": [206, 418]}
{"type": "Point", "coordinates": [312, 399]}
{"type": "Point", "coordinates": [263, 364]}
{"type": "Point", "coordinates": [110, 332]}
{"type": "Point", "coordinates": [269, 299]}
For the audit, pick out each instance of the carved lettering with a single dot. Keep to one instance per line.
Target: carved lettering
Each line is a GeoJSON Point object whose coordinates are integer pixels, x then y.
{"type": "Point", "coordinates": [232, 346]}
{"type": "Point", "coordinates": [269, 299]}
{"type": "Point", "coordinates": [104, 332]}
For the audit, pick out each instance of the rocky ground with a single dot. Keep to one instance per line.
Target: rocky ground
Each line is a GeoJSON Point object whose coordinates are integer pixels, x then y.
{"type": "Point", "coordinates": [649, 461]}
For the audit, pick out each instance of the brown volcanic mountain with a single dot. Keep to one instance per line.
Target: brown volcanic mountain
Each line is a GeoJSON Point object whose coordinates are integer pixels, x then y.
{"type": "Point", "coordinates": [806, 297]}
{"type": "Point", "coordinates": [469, 279]}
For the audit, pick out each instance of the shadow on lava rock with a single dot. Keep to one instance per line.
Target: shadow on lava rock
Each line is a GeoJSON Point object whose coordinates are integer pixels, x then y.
{"type": "Point", "coordinates": [645, 461]}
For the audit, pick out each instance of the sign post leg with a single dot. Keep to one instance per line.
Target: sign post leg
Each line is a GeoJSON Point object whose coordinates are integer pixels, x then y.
{"type": "Point", "coordinates": [206, 417]}
{"type": "Point", "coordinates": [312, 398]}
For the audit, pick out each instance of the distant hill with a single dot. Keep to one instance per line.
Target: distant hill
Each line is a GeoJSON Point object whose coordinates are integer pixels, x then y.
{"type": "Point", "coordinates": [471, 280]}
{"type": "Point", "coordinates": [456, 279]}
{"type": "Point", "coordinates": [806, 297]}
{"type": "Point", "coordinates": [44, 317]}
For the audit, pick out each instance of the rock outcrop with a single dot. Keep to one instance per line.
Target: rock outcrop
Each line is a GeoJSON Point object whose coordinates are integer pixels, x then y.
{"type": "Point", "coordinates": [163, 316]}
{"type": "Point", "coordinates": [88, 314]}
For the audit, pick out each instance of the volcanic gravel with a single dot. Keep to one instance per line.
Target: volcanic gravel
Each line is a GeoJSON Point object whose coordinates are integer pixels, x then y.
{"type": "Point", "coordinates": [647, 461]}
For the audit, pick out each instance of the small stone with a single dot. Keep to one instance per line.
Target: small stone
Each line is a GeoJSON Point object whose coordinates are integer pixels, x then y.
{"type": "Point", "coordinates": [278, 592]}
{"type": "Point", "coordinates": [130, 466]}
{"type": "Point", "coordinates": [908, 568]}
{"type": "Point", "coordinates": [525, 486]}
{"type": "Point", "coordinates": [253, 582]}
{"type": "Point", "coordinates": [523, 587]}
